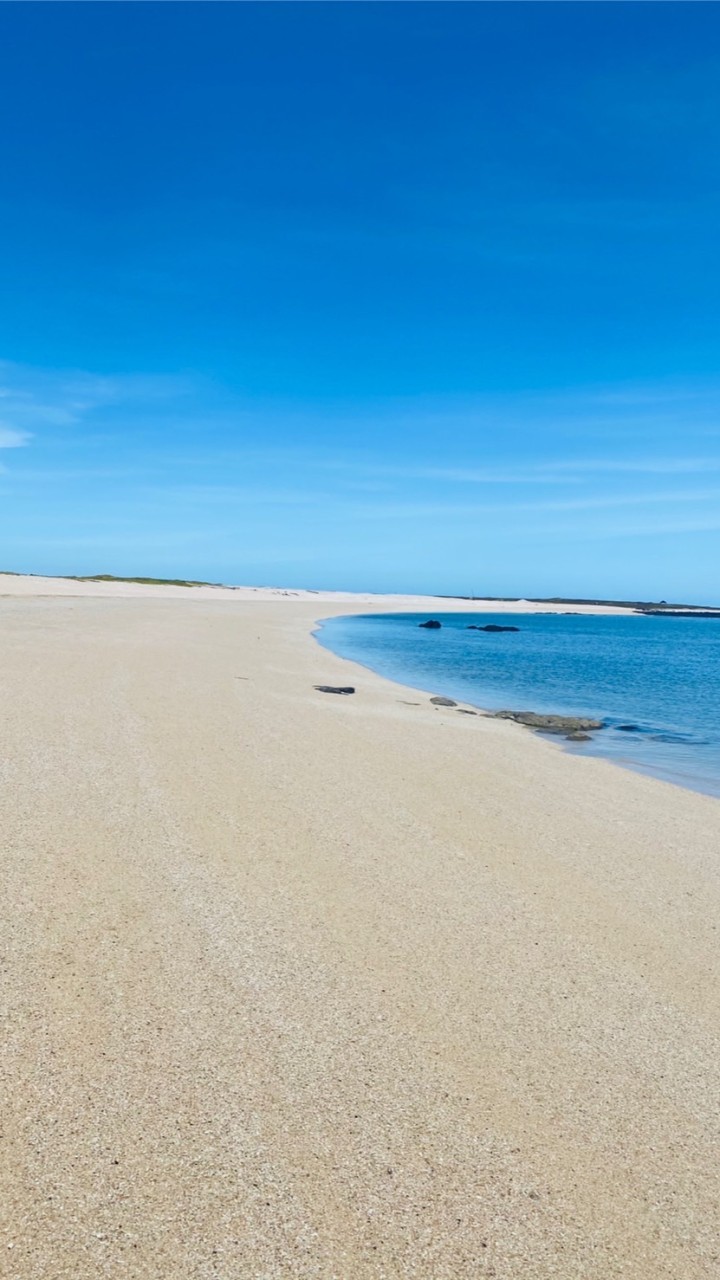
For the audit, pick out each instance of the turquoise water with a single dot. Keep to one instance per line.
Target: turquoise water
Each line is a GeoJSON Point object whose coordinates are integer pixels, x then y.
{"type": "Point", "coordinates": [658, 677]}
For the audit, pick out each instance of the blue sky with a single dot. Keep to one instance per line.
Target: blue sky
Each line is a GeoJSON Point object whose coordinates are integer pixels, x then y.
{"type": "Point", "coordinates": [377, 296]}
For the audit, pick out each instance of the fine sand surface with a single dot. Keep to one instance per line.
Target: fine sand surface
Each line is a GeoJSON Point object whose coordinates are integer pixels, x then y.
{"type": "Point", "coordinates": [296, 985]}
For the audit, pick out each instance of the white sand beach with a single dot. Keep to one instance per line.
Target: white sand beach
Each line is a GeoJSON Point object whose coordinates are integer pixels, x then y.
{"type": "Point", "coordinates": [296, 985]}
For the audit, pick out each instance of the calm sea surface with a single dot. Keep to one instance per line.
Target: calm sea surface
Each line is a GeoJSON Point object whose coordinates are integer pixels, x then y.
{"type": "Point", "coordinates": [658, 677]}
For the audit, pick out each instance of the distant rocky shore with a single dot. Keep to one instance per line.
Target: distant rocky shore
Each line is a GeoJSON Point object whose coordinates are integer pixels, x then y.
{"type": "Point", "coordinates": [656, 608]}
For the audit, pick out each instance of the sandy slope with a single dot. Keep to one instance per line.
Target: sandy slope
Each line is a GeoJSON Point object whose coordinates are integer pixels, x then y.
{"type": "Point", "coordinates": [305, 986]}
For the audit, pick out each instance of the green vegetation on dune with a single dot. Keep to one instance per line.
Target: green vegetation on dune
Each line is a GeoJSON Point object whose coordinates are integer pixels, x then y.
{"type": "Point", "coordinates": [112, 577]}
{"type": "Point", "coordinates": [151, 582]}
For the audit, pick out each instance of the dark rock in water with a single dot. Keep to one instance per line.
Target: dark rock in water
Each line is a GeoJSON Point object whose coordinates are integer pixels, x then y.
{"type": "Point", "coordinates": [334, 688]}
{"type": "Point", "coordinates": [628, 728]}
{"type": "Point", "coordinates": [550, 724]}
{"type": "Point", "coordinates": [443, 702]}
{"type": "Point", "coordinates": [491, 626]}
{"type": "Point", "coordinates": [576, 736]}
{"type": "Point", "coordinates": [432, 624]}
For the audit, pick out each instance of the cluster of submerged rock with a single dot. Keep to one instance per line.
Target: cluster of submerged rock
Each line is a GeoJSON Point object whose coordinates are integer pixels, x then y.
{"type": "Point", "coordinates": [574, 728]}
{"type": "Point", "coordinates": [432, 624]}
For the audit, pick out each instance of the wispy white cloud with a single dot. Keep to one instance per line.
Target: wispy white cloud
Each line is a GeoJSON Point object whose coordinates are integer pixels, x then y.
{"type": "Point", "coordinates": [35, 399]}
{"type": "Point", "coordinates": [442, 508]}
{"type": "Point", "coordinates": [648, 466]}
{"type": "Point", "coordinates": [650, 529]}
{"type": "Point", "coordinates": [235, 495]}
{"type": "Point", "coordinates": [11, 438]}
{"type": "Point", "coordinates": [555, 471]}
{"type": "Point", "coordinates": [476, 461]}
{"type": "Point", "coordinates": [667, 497]}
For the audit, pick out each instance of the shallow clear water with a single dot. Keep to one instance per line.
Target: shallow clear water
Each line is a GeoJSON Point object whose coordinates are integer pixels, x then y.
{"type": "Point", "coordinates": [660, 676]}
